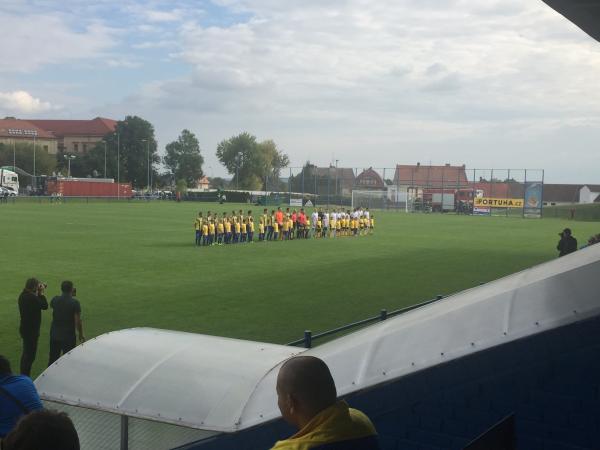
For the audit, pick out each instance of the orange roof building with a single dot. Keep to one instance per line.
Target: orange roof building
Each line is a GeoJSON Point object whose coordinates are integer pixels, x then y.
{"type": "Point", "coordinates": [77, 136]}
{"type": "Point", "coordinates": [15, 131]}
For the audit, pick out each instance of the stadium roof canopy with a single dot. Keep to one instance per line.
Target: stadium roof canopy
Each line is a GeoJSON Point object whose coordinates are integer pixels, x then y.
{"type": "Point", "coordinates": [225, 385]}
{"type": "Point", "coordinates": [583, 13]}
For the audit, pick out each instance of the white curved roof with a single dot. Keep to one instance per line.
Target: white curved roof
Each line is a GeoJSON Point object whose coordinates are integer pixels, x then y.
{"type": "Point", "coordinates": [223, 384]}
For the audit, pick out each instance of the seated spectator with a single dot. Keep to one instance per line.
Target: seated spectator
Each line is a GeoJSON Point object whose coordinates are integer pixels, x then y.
{"type": "Point", "coordinates": [18, 397]}
{"type": "Point", "coordinates": [307, 399]}
{"type": "Point", "coordinates": [43, 430]}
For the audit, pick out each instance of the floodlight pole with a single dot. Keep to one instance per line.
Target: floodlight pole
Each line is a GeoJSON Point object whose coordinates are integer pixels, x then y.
{"type": "Point", "coordinates": [14, 153]}
{"type": "Point", "coordinates": [118, 165]}
{"type": "Point", "coordinates": [104, 157]}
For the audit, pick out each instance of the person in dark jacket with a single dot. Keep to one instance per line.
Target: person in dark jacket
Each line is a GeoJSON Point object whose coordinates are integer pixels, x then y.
{"type": "Point", "coordinates": [31, 303]}
{"type": "Point", "coordinates": [66, 319]}
{"type": "Point", "coordinates": [567, 243]}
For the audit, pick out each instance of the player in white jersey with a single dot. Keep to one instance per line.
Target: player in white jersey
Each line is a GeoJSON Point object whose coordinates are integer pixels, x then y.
{"type": "Point", "coordinates": [314, 218]}
{"type": "Point", "coordinates": [326, 223]}
{"type": "Point", "coordinates": [333, 222]}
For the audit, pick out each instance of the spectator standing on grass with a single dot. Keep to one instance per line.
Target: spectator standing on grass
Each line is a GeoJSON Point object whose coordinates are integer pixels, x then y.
{"type": "Point", "coordinates": [307, 399]}
{"type": "Point", "coordinates": [18, 397]}
{"type": "Point", "coordinates": [567, 243]}
{"type": "Point", "coordinates": [66, 318]}
{"type": "Point", "coordinates": [31, 303]}
{"type": "Point", "coordinates": [43, 430]}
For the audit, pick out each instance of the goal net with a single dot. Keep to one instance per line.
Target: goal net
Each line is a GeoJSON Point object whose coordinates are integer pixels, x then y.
{"type": "Point", "coordinates": [379, 200]}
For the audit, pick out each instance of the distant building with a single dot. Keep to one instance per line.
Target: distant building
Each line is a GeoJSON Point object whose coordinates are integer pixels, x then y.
{"type": "Point", "coordinates": [16, 131]}
{"type": "Point", "coordinates": [203, 183]}
{"type": "Point", "coordinates": [432, 177]}
{"type": "Point", "coordinates": [369, 179]}
{"type": "Point", "coordinates": [77, 136]}
{"type": "Point", "coordinates": [571, 193]}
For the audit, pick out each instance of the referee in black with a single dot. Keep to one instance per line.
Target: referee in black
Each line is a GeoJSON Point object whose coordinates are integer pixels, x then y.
{"type": "Point", "coordinates": [31, 303]}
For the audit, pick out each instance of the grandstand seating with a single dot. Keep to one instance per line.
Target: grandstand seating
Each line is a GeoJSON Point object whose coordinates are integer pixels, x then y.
{"type": "Point", "coordinates": [550, 380]}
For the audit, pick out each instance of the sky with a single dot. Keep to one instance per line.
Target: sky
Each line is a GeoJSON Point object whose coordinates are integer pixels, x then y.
{"type": "Point", "coordinates": [485, 83]}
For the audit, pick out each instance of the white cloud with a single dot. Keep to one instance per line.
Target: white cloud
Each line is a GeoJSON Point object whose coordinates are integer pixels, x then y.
{"type": "Point", "coordinates": [460, 80]}
{"type": "Point", "coordinates": [22, 102]}
{"type": "Point", "coordinates": [32, 41]}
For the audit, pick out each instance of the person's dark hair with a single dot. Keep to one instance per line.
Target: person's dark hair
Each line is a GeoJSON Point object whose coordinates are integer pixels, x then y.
{"type": "Point", "coordinates": [31, 284]}
{"type": "Point", "coordinates": [43, 430]}
{"type": "Point", "coordinates": [4, 366]}
{"type": "Point", "coordinates": [309, 379]}
{"type": "Point", "coordinates": [66, 287]}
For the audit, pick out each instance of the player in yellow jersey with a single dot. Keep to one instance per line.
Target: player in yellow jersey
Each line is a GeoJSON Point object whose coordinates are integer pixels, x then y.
{"type": "Point", "coordinates": [227, 226]}
{"type": "Point", "coordinates": [250, 229]}
{"type": "Point", "coordinates": [238, 231]}
{"type": "Point", "coordinates": [275, 230]}
{"type": "Point", "coordinates": [212, 230]}
{"type": "Point", "coordinates": [285, 230]}
{"type": "Point", "coordinates": [198, 227]}
{"type": "Point", "coordinates": [220, 232]}
{"type": "Point", "coordinates": [319, 230]}
{"type": "Point", "coordinates": [244, 230]}
{"type": "Point", "coordinates": [372, 224]}
{"type": "Point", "coordinates": [261, 230]}
{"type": "Point", "coordinates": [205, 233]}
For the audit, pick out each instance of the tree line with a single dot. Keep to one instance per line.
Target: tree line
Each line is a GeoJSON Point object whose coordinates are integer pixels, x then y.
{"type": "Point", "coordinates": [252, 164]}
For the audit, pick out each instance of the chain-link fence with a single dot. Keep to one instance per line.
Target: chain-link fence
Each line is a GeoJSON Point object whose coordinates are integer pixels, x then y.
{"type": "Point", "coordinates": [410, 188]}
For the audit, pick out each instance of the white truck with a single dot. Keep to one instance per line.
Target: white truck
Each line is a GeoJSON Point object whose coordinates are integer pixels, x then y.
{"type": "Point", "coordinates": [9, 180]}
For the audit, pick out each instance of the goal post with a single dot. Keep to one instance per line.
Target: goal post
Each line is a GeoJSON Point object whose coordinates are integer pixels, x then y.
{"type": "Point", "coordinates": [378, 200]}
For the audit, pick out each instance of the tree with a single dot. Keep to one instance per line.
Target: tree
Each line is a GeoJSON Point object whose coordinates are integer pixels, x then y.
{"type": "Point", "coordinates": [219, 183]}
{"type": "Point", "coordinates": [45, 163]}
{"type": "Point", "coordinates": [251, 162]}
{"type": "Point", "coordinates": [133, 142]}
{"type": "Point", "coordinates": [183, 158]}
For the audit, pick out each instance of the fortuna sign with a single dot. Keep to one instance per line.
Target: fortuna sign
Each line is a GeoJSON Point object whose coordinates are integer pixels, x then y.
{"type": "Point", "coordinates": [487, 202]}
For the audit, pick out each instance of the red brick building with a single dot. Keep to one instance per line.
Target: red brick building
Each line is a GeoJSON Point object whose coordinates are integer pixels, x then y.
{"type": "Point", "coordinates": [369, 179]}
{"type": "Point", "coordinates": [77, 136]}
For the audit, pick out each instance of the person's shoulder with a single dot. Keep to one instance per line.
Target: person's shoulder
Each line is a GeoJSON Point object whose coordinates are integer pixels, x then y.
{"type": "Point", "coordinates": [360, 419]}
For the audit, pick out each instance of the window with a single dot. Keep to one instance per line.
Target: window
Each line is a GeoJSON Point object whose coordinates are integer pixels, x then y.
{"type": "Point", "coordinates": [75, 146]}
{"type": "Point", "coordinates": [84, 148]}
{"type": "Point", "coordinates": [46, 148]}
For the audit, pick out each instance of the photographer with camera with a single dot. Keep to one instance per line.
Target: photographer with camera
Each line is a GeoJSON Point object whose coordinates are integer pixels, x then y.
{"type": "Point", "coordinates": [66, 318]}
{"type": "Point", "coordinates": [31, 303]}
{"type": "Point", "coordinates": [567, 243]}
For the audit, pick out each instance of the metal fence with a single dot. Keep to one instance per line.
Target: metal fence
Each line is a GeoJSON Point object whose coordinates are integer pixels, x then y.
{"type": "Point", "coordinates": [413, 188]}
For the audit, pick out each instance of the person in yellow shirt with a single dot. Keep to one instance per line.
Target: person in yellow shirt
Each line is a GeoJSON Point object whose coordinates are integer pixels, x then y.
{"type": "Point", "coordinates": [238, 231]}
{"type": "Point", "coordinates": [244, 226]}
{"type": "Point", "coordinates": [198, 227]}
{"type": "Point", "coordinates": [307, 228]}
{"type": "Point", "coordinates": [212, 230]}
{"type": "Point", "coordinates": [250, 229]}
{"type": "Point", "coordinates": [261, 230]}
{"type": "Point", "coordinates": [205, 233]}
{"type": "Point", "coordinates": [275, 230]}
{"type": "Point", "coordinates": [285, 230]}
{"type": "Point", "coordinates": [227, 231]}
{"type": "Point", "coordinates": [220, 232]}
{"type": "Point", "coordinates": [307, 399]}
{"type": "Point", "coordinates": [338, 227]}
{"type": "Point", "coordinates": [372, 224]}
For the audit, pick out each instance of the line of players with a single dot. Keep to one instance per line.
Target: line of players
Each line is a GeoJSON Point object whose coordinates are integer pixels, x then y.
{"type": "Point", "coordinates": [239, 228]}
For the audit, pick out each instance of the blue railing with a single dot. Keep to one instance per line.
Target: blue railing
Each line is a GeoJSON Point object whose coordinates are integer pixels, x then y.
{"type": "Point", "coordinates": [308, 338]}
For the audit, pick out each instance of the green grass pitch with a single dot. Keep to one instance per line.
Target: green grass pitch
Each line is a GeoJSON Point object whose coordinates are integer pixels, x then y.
{"type": "Point", "coordinates": [135, 264]}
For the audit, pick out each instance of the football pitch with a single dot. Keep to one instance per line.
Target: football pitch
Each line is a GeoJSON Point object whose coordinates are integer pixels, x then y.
{"type": "Point", "coordinates": [135, 264]}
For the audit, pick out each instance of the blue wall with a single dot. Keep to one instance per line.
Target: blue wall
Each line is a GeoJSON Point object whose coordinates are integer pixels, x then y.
{"type": "Point", "coordinates": [551, 381]}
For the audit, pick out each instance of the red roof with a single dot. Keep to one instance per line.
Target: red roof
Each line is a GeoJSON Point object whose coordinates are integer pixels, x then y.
{"type": "Point", "coordinates": [432, 176]}
{"type": "Point", "coordinates": [25, 129]}
{"type": "Point", "coordinates": [370, 174]}
{"type": "Point", "coordinates": [61, 128]}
